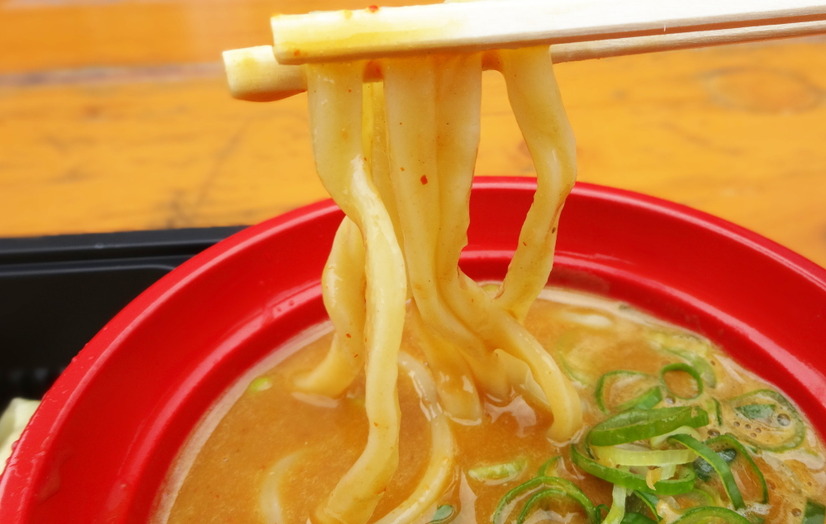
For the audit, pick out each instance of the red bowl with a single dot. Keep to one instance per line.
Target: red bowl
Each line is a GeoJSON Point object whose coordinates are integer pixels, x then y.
{"type": "Point", "coordinates": [98, 448]}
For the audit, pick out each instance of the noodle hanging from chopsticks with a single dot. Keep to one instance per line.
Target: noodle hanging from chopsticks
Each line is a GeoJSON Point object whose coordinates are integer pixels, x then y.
{"type": "Point", "coordinates": [398, 157]}
{"type": "Point", "coordinates": [335, 112]}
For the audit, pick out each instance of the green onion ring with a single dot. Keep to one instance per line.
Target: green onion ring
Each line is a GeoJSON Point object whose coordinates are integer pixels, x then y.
{"type": "Point", "coordinates": [711, 514]}
{"type": "Point", "coordinates": [639, 424]}
{"type": "Point", "coordinates": [649, 501]}
{"type": "Point", "coordinates": [730, 441]}
{"type": "Point", "coordinates": [682, 366]}
{"type": "Point", "coordinates": [564, 486]}
{"type": "Point", "coordinates": [617, 456]}
{"type": "Point", "coordinates": [796, 430]}
{"type": "Point", "coordinates": [673, 486]}
{"type": "Point", "coordinates": [636, 518]}
{"type": "Point", "coordinates": [616, 513]}
{"type": "Point", "coordinates": [536, 498]}
{"type": "Point", "coordinates": [815, 513]}
{"type": "Point", "coordinates": [543, 469]}
{"type": "Point", "coordinates": [717, 463]}
{"type": "Point", "coordinates": [444, 513]}
{"type": "Point", "coordinates": [647, 399]}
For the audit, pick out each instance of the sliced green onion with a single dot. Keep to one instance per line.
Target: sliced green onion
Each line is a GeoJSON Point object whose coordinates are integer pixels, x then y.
{"type": "Point", "coordinates": [649, 399]}
{"type": "Point", "coordinates": [699, 363]}
{"type": "Point", "coordinates": [652, 475]}
{"type": "Point", "coordinates": [627, 389]}
{"type": "Point", "coordinates": [259, 384]}
{"type": "Point", "coordinates": [535, 499]}
{"type": "Point", "coordinates": [717, 463]}
{"type": "Point", "coordinates": [711, 515]}
{"type": "Point", "coordinates": [671, 486]}
{"type": "Point", "coordinates": [742, 457]}
{"type": "Point", "coordinates": [564, 348]}
{"type": "Point", "coordinates": [716, 410]}
{"type": "Point", "coordinates": [543, 469]}
{"type": "Point", "coordinates": [766, 419]}
{"type": "Point", "coordinates": [681, 367]}
{"type": "Point", "coordinates": [755, 411]}
{"type": "Point", "coordinates": [815, 513]}
{"type": "Point", "coordinates": [647, 501]}
{"type": "Point", "coordinates": [444, 513]}
{"type": "Point", "coordinates": [556, 484]}
{"type": "Point", "coordinates": [698, 497]}
{"type": "Point", "coordinates": [498, 473]}
{"type": "Point", "coordinates": [636, 518]}
{"type": "Point", "coordinates": [659, 440]}
{"type": "Point", "coordinates": [703, 469]}
{"type": "Point", "coordinates": [642, 456]}
{"type": "Point", "coordinates": [638, 424]}
{"type": "Point", "coordinates": [617, 512]}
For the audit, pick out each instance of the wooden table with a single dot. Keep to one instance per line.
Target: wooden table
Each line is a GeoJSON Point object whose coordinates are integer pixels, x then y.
{"type": "Point", "coordinates": [114, 115]}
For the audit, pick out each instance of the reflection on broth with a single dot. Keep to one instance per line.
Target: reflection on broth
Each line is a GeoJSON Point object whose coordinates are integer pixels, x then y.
{"type": "Point", "coordinates": [656, 400]}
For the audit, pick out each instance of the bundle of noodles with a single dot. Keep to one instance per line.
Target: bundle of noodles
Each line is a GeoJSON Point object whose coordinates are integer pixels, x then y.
{"type": "Point", "coordinates": [398, 156]}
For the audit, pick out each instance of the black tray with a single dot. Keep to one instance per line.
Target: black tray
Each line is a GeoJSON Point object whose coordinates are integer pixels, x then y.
{"type": "Point", "coordinates": [57, 292]}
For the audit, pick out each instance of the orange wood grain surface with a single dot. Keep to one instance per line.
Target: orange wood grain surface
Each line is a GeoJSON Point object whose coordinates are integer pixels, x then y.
{"type": "Point", "coordinates": [114, 115]}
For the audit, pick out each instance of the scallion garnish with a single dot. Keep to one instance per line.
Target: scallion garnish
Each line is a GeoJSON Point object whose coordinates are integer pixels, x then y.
{"type": "Point", "coordinates": [642, 456]}
{"type": "Point", "coordinates": [537, 498]}
{"type": "Point", "coordinates": [710, 514]}
{"type": "Point", "coordinates": [815, 513]}
{"type": "Point", "coordinates": [543, 469]}
{"type": "Point", "coordinates": [681, 367]}
{"type": "Point", "coordinates": [627, 389]}
{"type": "Point", "coordinates": [739, 458]}
{"type": "Point", "coordinates": [501, 472]}
{"type": "Point", "coordinates": [259, 384]}
{"type": "Point", "coordinates": [766, 419]}
{"type": "Point", "coordinates": [616, 514]}
{"type": "Point", "coordinates": [443, 514]}
{"type": "Point", "coordinates": [683, 483]}
{"type": "Point", "coordinates": [553, 486]}
{"type": "Point", "coordinates": [719, 465]}
{"type": "Point", "coordinates": [645, 501]}
{"type": "Point", "coordinates": [639, 424]}
{"type": "Point", "coordinates": [636, 518]}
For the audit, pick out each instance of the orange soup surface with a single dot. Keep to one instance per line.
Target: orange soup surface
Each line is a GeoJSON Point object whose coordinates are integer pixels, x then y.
{"type": "Point", "coordinates": [269, 452]}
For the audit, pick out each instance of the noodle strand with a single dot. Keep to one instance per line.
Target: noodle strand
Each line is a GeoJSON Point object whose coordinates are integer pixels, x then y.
{"type": "Point", "coordinates": [342, 284]}
{"type": "Point", "coordinates": [442, 449]}
{"type": "Point", "coordinates": [412, 97]}
{"type": "Point", "coordinates": [537, 106]}
{"type": "Point", "coordinates": [335, 112]}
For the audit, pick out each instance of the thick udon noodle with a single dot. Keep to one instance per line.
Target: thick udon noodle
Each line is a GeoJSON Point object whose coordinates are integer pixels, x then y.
{"type": "Point", "coordinates": [398, 157]}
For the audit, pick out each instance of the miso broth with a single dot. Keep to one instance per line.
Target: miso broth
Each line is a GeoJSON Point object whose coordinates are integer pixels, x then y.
{"type": "Point", "coordinates": [268, 452]}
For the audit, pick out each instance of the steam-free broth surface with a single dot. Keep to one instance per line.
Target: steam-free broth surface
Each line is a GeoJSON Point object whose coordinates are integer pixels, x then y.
{"type": "Point", "coordinates": [267, 451]}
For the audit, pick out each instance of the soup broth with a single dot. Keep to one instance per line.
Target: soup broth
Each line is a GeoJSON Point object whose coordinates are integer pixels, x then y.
{"type": "Point", "coordinates": [269, 454]}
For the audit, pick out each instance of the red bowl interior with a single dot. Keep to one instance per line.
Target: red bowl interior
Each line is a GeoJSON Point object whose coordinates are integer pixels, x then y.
{"type": "Point", "coordinates": [101, 443]}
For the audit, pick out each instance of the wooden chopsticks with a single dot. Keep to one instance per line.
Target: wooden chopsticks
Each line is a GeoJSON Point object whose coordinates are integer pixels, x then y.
{"type": "Point", "coordinates": [687, 40]}
{"type": "Point", "coordinates": [491, 24]}
{"type": "Point", "coordinates": [576, 29]}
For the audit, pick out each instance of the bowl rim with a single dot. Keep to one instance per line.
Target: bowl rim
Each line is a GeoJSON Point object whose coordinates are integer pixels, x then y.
{"type": "Point", "coordinates": [35, 447]}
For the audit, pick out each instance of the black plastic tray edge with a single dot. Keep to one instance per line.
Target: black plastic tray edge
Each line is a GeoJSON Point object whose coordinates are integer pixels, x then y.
{"type": "Point", "coordinates": [56, 292]}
